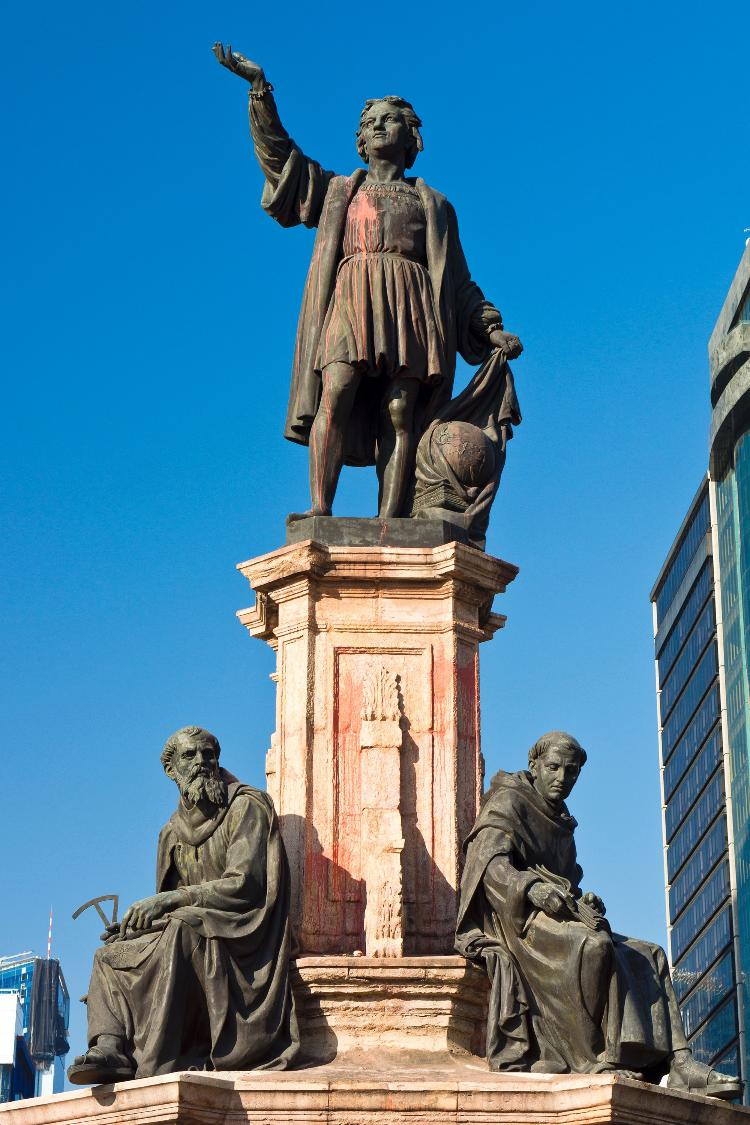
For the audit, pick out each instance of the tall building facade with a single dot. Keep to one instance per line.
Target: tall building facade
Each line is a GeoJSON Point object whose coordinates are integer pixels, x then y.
{"type": "Point", "coordinates": [34, 1013]}
{"type": "Point", "coordinates": [701, 615]}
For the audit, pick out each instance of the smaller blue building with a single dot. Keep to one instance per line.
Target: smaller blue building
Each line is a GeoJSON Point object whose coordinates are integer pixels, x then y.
{"type": "Point", "coordinates": [34, 1012]}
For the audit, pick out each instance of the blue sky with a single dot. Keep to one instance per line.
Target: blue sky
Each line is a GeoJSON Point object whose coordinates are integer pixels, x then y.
{"type": "Point", "coordinates": [597, 157]}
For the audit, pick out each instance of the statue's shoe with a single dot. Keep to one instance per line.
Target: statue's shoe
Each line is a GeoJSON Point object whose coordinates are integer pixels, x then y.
{"type": "Point", "coordinates": [697, 1078]}
{"type": "Point", "coordinates": [96, 1067]}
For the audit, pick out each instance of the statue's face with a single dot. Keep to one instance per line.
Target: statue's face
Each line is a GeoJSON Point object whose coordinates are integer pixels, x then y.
{"type": "Point", "coordinates": [385, 131]}
{"type": "Point", "coordinates": [195, 768]}
{"type": "Point", "coordinates": [555, 773]}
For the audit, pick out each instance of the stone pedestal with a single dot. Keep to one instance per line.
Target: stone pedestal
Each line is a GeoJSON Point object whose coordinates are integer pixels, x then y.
{"type": "Point", "coordinates": [363, 1093]}
{"type": "Point", "coordinates": [375, 765]}
{"type": "Point", "coordinates": [436, 1006]}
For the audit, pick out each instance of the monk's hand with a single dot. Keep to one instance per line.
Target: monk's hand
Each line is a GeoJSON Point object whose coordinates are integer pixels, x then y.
{"type": "Point", "coordinates": [594, 902]}
{"type": "Point", "coordinates": [506, 342]}
{"type": "Point", "coordinates": [239, 65]}
{"type": "Point", "coordinates": [146, 911]}
{"type": "Point", "coordinates": [548, 899]}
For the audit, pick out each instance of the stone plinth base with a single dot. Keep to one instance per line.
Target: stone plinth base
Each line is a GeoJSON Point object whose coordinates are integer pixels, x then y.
{"type": "Point", "coordinates": [352, 532]}
{"type": "Point", "coordinates": [411, 1093]}
{"type": "Point", "coordinates": [428, 1004]}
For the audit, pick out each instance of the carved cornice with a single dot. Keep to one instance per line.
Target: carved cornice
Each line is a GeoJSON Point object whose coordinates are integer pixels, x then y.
{"type": "Point", "coordinates": [385, 564]}
{"type": "Point", "coordinates": [451, 573]}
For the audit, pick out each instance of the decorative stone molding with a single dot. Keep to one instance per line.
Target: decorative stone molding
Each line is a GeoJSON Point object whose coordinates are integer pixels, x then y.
{"type": "Point", "coordinates": [382, 835]}
{"type": "Point", "coordinates": [380, 696]}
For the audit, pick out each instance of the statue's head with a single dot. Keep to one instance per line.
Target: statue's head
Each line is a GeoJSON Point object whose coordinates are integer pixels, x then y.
{"type": "Point", "coordinates": [555, 761]}
{"type": "Point", "coordinates": [191, 758]}
{"type": "Point", "coordinates": [389, 127]}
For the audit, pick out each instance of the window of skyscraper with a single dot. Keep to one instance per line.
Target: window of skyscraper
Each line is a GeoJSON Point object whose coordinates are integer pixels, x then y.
{"type": "Point", "coordinates": [716, 1035]}
{"type": "Point", "coordinates": [692, 784]}
{"type": "Point", "coordinates": [704, 858]}
{"type": "Point", "coordinates": [697, 530]}
{"type": "Point", "coordinates": [712, 800]}
{"type": "Point", "coordinates": [688, 971]}
{"type": "Point", "coordinates": [691, 741]}
{"type": "Point", "coordinates": [715, 985]}
{"type": "Point", "coordinates": [705, 904]}
{"type": "Point", "coordinates": [696, 643]}
{"type": "Point", "coordinates": [686, 618]}
{"type": "Point", "coordinates": [729, 1062]}
{"type": "Point", "coordinates": [695, 689]}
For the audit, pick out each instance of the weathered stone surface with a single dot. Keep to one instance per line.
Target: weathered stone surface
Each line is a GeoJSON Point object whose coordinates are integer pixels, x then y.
{"type": "Point", "coordinates": [346, 531]}
{"type": "Point", "coordinates": [381, 741]}
{"type": "Point", "coordinates": [436, 1005]}
{"type": "Point", "coordinates": [339, 618]}
{"type": "Point", "coordinates": [375, 1091]}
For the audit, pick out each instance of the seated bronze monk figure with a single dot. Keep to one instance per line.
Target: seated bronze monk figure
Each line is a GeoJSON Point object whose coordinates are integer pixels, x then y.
{"type": "Point", "coordinates": [567, 993]}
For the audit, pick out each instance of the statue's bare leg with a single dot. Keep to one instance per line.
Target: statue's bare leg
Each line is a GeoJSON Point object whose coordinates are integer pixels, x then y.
{"type": "Point", "coordinates": [396, 444]}
{"type": "Point", "coordinates": [340, 382]}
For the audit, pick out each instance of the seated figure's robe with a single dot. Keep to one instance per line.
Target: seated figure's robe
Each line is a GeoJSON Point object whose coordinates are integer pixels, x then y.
{"type": "Point", "coordinates": [564, 997]}
{"type": "Point", "coordinates": [208, 985]}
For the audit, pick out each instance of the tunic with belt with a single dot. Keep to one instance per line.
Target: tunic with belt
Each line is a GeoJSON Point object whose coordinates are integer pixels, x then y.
{"type": "Point", "coordinates": [381, 319]}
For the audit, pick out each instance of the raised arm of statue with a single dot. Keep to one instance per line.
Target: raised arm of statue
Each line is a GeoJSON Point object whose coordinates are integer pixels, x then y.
{"type": "Point", "coordinates": [295, 185]}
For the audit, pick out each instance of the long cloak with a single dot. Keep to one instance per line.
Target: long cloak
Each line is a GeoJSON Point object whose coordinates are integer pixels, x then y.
{"type": "Point", "coordinates": [564, 997]}
{"type": "Point", "coordinates": [306, 193]}
{"type": "Point", "coordinates": [209, 985]}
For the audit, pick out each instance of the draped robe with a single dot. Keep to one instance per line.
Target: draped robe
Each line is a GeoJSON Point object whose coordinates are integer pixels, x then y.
{"type": "Point", "coordinates": [564, 997]}
{"type": "Point", "coordinates": [209, 983]}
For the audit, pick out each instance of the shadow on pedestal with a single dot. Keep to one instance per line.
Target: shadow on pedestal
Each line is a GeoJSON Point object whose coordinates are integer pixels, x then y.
{"type": "Point", "coordinates": [421, 875]}
{"type": "Point", "coordinates": [302, 840]}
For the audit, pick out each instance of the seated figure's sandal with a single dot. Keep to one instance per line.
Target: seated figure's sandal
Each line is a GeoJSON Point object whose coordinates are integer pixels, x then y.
{"type": "Point", "coordinates": [95, 1067]}
{"type": "Point", "coordinates": [697, 1078]}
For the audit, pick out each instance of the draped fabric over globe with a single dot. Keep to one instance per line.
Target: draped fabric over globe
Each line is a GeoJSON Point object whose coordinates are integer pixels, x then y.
{"type": "Point", "coordinates": [564, 996]}
{"type": "Point", "coordinates": [212, 976]}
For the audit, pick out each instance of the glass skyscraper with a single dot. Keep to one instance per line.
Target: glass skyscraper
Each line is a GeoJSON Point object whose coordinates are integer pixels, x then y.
{"type": "Point", "coordinates": [701, 608]}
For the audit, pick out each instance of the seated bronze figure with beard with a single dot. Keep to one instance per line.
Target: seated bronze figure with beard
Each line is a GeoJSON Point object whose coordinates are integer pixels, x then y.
{"type": "Point", "coordinates": [197, 974]}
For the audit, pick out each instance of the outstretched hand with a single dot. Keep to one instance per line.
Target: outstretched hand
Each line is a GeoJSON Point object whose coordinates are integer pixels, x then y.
{"type": "Point", "coordinates": [238, 64]}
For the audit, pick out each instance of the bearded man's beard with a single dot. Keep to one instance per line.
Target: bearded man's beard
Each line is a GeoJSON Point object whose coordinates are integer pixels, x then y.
{"type": "Point", "coordinates": [202, 786]}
